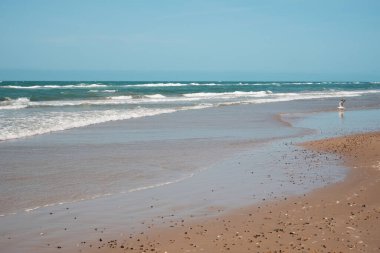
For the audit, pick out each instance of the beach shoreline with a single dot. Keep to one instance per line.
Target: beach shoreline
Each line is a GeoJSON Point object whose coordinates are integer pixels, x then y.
{"type": "Point", "coordinates": [341, 217]}
{"type": "Point", "coordinates": [257, 166]}
{"type": "Point", "coordinates": [189, 126]}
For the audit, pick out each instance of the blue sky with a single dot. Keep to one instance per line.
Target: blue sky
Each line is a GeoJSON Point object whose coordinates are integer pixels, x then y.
{"type": "Point", "coordinates": [190, 40]}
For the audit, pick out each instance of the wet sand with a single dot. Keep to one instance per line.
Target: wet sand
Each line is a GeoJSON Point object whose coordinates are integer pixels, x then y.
{"type": "Point", "coordinates": [343, 217]}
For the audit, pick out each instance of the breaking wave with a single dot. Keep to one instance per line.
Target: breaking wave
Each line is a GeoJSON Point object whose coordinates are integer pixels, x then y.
{"type": "Point", "coordinates": [22, 117]}
{"type": "Point", "coordinates": [203, 97]}
{"type": "Point", "coordinates": [41, 123]}
{"type": "Point", "coordinates": [69, 86]}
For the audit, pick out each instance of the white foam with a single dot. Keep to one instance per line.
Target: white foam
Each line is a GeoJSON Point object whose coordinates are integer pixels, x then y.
{"type": "Point", "coordinates": [69, 86]}
{"type": "Point", "coordinates": [279, 96]}
{"type": "Point", "coordinates": [32, 209]}
{"type": "Point", "coordinates": [103, 91]}
{"type": "Point", "coordinates": [155, 96]}
{"type": "Point", "coordinates": [200, 106]}
{"type": "Point", "coordinates": [262, 84]}
{"type": "Point", "coordinates": [206, 84]}
{"type": "Point", "coordinates": [108, 101]}
{"type": "Point", "coordinates": [282, 97]}
{"type": "Point", "coordinates": [160, 184]}
{"type": "Point", "coordinates": [26, 125]}
{"type": "Point", "coordinates": [202, 94]}
{"type": "Point", "coordinates": [120, 97]}
{"type": "Point", "coordinates": [41, 123]}
{"type": "Point", "coordinates": [85, 85]}
{"type": "Point", "coordinates": [302, 83]}
{"type": "Point", "coordinates": [21, 87]}
{"type": "Point", "coordinates": [156, 85]}
{"type": "Point", "coordinates": [172, 84]}
{"type": "Point", "coordinates": [13, 104]}
{"type": "Point", "coordinates": [227, 95]}
{"type": "Point", "coordinates": [113, 100]}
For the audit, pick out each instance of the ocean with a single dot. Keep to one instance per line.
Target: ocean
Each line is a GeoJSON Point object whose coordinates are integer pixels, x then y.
{"type": "Point", "coordinates": [33, 108]}
{"type": "Point", "coordinates": [75, 156]}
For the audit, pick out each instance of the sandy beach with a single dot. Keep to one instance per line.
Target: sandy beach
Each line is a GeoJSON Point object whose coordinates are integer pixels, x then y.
{"type": "Point", "coordinates": [343, 217]}
{"type": "Point", "coordinates": [189, 126]}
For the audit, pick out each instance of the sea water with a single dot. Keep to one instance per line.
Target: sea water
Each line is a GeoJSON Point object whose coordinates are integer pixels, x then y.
{"type": "Point", "coordinates": [104, 143]}
{"type": "Point", "coordinates": [125, 156]}
{"type": "Point", "coordinates": [34, 108]}
{"type": "Point", "coordinates": [209, 147]}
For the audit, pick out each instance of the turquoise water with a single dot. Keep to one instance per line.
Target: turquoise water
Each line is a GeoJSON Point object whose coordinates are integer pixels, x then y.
{"type": "Point", "coordinates": [62, 91]}
{"type": "Point", "coordinates": [34, 108]}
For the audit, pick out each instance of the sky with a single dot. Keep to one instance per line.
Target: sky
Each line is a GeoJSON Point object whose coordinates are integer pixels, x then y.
{"type": "Point", "coordinates": [190, 40]}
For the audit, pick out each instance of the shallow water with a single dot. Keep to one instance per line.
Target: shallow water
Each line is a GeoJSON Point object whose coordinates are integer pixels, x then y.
{"type": "Point", "coordinates": [331, 124]}
{"type": "Point", "coordinates": [124, 156]}
{"type": "Point", "coordinates": [116, 176]}
{"type": "Point", "coordinates": [120, 157]}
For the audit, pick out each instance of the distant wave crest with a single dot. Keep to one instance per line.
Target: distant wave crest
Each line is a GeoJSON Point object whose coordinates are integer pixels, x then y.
{"type": "Point", "coordinates": [69, 86]}
{"type": "Point", "coordinates": [158, 85]}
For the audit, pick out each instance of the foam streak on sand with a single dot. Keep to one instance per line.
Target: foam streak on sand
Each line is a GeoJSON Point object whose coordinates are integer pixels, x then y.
{"type": "Point", "coordinates": [338, 218]}
{"type": "Point", "coordinates": [160, 184]}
